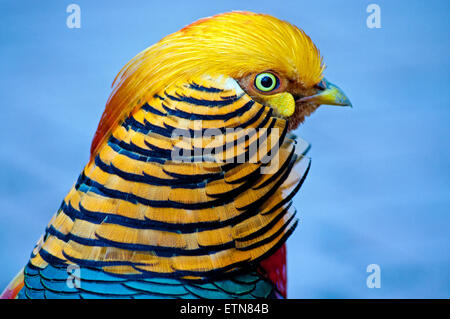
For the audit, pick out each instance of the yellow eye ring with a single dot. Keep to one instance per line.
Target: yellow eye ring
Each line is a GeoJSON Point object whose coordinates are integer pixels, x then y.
{"type": "Point", "coordinates": [266, 82]}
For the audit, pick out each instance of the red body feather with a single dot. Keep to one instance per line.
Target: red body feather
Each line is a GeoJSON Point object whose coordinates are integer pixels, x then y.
{"type": "Point", "coordinates": [275, 269]}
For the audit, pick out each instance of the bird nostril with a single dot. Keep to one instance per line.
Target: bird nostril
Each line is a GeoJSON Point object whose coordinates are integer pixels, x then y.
{"type": "Point", "coordinates": [297, 97]}
{"type": "Point", "coordinates": [321, 85]}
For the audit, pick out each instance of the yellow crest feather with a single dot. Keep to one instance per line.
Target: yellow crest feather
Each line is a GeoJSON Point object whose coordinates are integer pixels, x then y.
{"type": "Point", "coordinates": [232, 45]}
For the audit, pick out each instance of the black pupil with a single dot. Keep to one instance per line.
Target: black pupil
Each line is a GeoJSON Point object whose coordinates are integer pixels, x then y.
{"type": "Point", "coordinates": [266, 81]}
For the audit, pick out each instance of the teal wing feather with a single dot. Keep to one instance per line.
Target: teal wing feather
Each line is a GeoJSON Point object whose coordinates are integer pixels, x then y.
{"type": "Point", "coordinates": [52, 283]}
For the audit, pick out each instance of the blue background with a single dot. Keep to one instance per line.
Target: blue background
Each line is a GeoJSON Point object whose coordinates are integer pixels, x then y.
{"type": "Point", "coordinates": [378, 191]}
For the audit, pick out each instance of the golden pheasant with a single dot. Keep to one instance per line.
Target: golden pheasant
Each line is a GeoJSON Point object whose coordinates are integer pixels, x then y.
{"type": "Point", "coordinates": [188, 190]}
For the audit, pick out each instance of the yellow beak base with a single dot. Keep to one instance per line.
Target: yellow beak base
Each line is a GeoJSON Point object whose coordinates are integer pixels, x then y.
{"type": "Point", "coordinates": [331, 95]}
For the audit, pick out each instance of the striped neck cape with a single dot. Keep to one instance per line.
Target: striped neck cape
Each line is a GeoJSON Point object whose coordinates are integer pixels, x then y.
{"type": "Point", "coordinates": [137, 223]}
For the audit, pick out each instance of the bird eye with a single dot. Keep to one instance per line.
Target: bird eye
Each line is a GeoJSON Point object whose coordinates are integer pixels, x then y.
{"type": "Point", "coordinates": [266, 82]}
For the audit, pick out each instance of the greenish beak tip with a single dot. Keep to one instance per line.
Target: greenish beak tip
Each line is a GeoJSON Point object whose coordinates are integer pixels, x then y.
{"type": "Point", "coordinates": [330, 95]}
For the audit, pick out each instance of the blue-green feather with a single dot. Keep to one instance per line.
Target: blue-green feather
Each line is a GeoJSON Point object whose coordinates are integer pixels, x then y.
{"type": "Point", "coordinates": [51, 283]}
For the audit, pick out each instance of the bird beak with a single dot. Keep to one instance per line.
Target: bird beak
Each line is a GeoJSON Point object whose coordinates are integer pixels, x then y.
{"type": "Point", "coordinates": [329, 94]}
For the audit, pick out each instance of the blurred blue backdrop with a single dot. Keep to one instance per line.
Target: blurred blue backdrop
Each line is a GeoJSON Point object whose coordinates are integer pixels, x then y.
{"type": "Point", "coordinates": [379, 188]}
